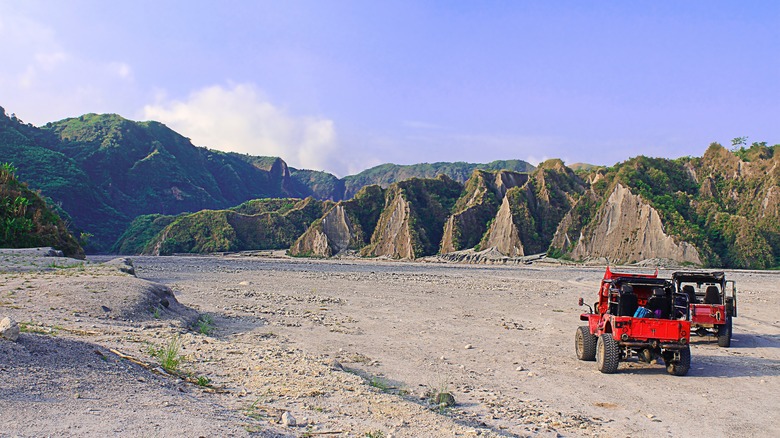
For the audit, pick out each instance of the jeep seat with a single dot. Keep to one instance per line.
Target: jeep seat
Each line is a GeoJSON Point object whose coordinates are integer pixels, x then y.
{"type": "Point", "coordinates": [628, 304]}
{"type": "Point", "coordinates": [691, 292]}
{"type": "Point", "coordinates": [660, 301]}
{"type": "Point", "coordinates": [711, 295]}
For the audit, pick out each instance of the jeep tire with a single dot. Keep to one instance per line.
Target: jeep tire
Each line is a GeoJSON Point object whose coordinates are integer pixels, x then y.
{"type": "Point", "coordinates": [607, 354]}
{"type": "Point", "coordinates": [680, 367]}
{"type": "Point", "coordinates": [585, 343]}
{"type": "Point", "coordinates": [724, 334]}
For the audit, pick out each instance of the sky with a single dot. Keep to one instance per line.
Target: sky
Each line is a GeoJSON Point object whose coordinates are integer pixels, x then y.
{"type": "Point", "coordinates": [342, 85]}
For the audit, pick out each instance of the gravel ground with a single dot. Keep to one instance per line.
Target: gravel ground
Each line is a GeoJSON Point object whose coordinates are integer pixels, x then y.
{"type": "Point", "coordinates": [354, 348]}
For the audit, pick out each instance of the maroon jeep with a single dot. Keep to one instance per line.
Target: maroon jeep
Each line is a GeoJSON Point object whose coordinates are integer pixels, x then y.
{"type": "Point", "coordinates": [712, 300]}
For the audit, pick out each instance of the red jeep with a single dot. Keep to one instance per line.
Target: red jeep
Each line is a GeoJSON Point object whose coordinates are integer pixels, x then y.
{"type": "Point", "coordinates": [711, 305]}
{"type": "Point", "coordinates": [637, 315]}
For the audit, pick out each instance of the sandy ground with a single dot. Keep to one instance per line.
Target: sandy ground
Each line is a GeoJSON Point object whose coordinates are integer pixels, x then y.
{"type": "Point", "coordinates": [356, 348]}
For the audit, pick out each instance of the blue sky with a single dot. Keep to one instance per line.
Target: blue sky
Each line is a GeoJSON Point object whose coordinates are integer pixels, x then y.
{"type": "Point", "coordinates": [345, 85]}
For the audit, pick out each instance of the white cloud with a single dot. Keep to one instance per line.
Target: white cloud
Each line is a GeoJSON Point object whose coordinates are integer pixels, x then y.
{"type": "Point", "coordinates": [241, 119]}
{"type": "Point", "coordinates": [42, 79]}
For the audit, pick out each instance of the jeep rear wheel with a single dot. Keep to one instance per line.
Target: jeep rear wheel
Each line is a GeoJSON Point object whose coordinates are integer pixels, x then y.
{"type": "Point", "coordinates": [585, 343]}
{"type": "Point", "coordinates": [607, 354]}
{"type": "Point", "coordinates": [680, 367]}
{"type": "Point", "coordinates": [724, 334]}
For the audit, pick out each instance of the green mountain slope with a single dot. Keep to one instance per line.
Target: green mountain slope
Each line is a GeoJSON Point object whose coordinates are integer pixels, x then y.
{"type": "Point", "coordinates": [26, 221]}
{"type": "Point", "coordinates": [60, 179]}
{"type": "Point", "coordinates": [148, 168]}
{"type": "Point", "coordinates": [257, 224]}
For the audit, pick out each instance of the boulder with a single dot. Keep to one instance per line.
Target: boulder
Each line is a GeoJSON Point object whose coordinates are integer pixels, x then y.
{"type": "Point", "coordinates": [9, 329]}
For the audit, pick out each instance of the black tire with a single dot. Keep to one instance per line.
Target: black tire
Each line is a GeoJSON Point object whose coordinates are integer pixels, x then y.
{"type": "Point", "coordinates": [724, 334]}
{"type": "Point", "coordinates": [681, 367]}
{"type": "Point", "coordinates": [607, 354]}
{"type": "Point", "coordinates": [585, 343]}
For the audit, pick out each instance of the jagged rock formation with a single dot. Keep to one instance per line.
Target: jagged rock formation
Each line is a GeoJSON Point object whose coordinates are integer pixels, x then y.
{"type": "Point", "coordinates": [529, 214]}
{"type": "Point", "coordinates": [739, 205]}
{"type": "Point", "coordinates": [627, 229]}
{"type": "Point", "coordinates": [723, 205]}
{"type": "Point", "coordinates": [348, 225]}
{"type": "Point", "coordinates": [331, 235]}
{"type": "Point", "coordinates": [386, 174]}
{"type": "Point", "coordinates": [475, 207]}
{"type": "Point", "coordinates": [413, 218]}
{"type": "Point", "coordinates": [503, 235]}
{"type": "Point", "coordinates": [101, 171]}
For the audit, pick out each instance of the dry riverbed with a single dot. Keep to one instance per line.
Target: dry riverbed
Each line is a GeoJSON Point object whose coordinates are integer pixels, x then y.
{"type": "Point", "coordinates": [353, 348]}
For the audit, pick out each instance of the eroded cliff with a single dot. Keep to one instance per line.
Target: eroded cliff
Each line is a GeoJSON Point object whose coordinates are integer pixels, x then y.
{"type": "Point", "coordinates": [476, 207]}
{"type": "Point", "coordinates": [346, 226]}
{"type": "Point", "coordinates": [412, 222]}
{"type": "Point", "coordinates": [627, 229]}
{"type": "Point", "coordinates": [529, 214]}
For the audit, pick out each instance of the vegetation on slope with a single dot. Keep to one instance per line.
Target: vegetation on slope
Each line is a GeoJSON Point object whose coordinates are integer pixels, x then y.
{"type": "Point", "coordinates": [430, 202]}
{"type": "Point", "coordinates": [60, 179]}
{"type": "Point", "coordinates": [321, 185]}
{"type": "Point", "coordinates": [362, 214]}
{"type": "Point", "coordinates": [140, 232]}
{"type": "Point", "coordinates": [717, 203]}
{"type": "Point", "coordinates": [474, 210]}
{"type": "Point", "coordinates": [267, 227]}
{"type": "Point", "coordinates": [27, 222]}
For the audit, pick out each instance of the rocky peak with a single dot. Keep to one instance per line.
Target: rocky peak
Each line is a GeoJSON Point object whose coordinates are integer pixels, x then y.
{"type": "Point", "coordinates": [627, 229]}
{"type": "Point", "coordinates": [506, 179]}
{"type": "Point", "coordinates": [503, 235]}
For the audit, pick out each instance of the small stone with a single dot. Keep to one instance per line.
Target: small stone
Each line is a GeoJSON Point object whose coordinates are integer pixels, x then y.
{"type": "Point", "coordinates": [650, 416]}
{"type": "Point", "coordinates": [336, 365]}
{"type": "Point", "coordinates": [288, 420]}
{"type": "Point", "coordinates": [468, 347]}
{"type": "Point", "coordinates": [9, 329]}
{"type": "Point", "coordinates": [442, 358]}
{"type": "Point", "coordinates": [520, 368]}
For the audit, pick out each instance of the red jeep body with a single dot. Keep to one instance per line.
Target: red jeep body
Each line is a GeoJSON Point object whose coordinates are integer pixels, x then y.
{"type": "Point", "coordinates": [615, 330]}
{"type": "Point", "coordinates": [711, 305]}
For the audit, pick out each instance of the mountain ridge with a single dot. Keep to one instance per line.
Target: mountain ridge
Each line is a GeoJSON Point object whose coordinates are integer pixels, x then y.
{"type": "Point", "coordinates": [106, 175]}
{"type": "Point", "coordinates": [102, 171]}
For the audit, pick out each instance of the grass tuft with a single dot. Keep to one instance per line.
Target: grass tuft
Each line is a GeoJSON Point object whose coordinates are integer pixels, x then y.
{"type": "Point", "coordinates": [205, 324]}
{"type": "Point", "coordinates": [169, 355]}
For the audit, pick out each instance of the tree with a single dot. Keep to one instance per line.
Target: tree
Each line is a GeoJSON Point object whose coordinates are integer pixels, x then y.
{"type": "Point", "coordinates": [738, 142]}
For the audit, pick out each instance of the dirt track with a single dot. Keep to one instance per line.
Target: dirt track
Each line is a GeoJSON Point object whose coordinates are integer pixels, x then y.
{"type": "Point", "coordinates": [500, 339]}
